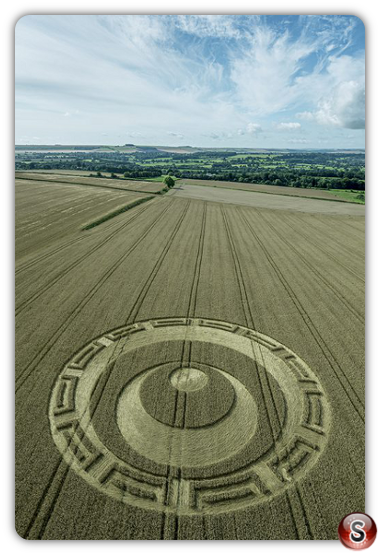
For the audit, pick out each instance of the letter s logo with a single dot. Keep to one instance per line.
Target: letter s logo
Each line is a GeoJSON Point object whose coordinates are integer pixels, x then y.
{"type": "Point", "coordinates": [357, 534]}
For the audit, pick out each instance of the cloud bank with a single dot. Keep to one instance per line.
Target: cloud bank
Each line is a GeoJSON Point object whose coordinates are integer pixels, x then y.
{"type": "Point", "coordinates": [231, 80]}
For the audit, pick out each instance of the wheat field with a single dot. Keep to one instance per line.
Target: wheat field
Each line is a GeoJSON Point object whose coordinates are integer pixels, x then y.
{"type": "Point", "coordinates": [189, 369]}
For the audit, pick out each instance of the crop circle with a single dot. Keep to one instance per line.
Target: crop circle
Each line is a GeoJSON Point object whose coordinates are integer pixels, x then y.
{"type": "Point", "coordinates": [184, 435]}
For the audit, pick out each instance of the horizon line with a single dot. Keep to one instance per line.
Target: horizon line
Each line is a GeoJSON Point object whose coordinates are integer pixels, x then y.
{"type": "Point", "coordinates": [182, 146]}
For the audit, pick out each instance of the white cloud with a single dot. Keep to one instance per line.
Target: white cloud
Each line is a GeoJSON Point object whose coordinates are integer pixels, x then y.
{"type": "Point", "coordinates": [209, 25]}
{"type": "Point", "coordinates": [254, 128]}
{"type": "Point", "coordinates": [250, 129]}
{"type": "Point", "coordinates": [341, 94]}
{"type": "Point", "coordinates": [273, 75]}
{"type": "Point", "coordinates": [288, 126]}
{"type": "Point", "coordinates": [344, 107]}
{"type": "Point", "coordinates": [134, 135]}
{"type": "Point", "coordinates": [308, 116]}
{"type": "Point", "coordinates": [264, 75]}
{"type": "Point", "coordinates": [299, 141]}
{"type": "Point", "coordinates": [129, 77]}
{"type": "Point", "coordinates": [178, 135]}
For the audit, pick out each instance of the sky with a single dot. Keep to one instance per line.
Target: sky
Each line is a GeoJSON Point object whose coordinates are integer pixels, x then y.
{"type": "Point", "coordinates": [176, 80]}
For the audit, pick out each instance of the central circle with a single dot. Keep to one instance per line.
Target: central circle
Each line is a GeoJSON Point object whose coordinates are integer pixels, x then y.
{"type": "Point", "coordinates": [188, 379]}
{"type": "Point", "coordinates": [174, 395]}
{"type": "Point", "coordinates": [181, 432]}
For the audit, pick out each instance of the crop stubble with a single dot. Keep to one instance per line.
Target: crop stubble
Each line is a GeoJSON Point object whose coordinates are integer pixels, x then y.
{"type": "Point", "coordinates": [294, 277]}
{"type": "Point", "coordinates": [259, 188]}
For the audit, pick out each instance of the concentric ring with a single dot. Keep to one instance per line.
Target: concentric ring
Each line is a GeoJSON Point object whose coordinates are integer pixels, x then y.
{"type": "Point", "coordinates": [302, 439]}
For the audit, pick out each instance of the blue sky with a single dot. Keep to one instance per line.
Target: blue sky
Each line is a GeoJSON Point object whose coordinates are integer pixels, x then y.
{"type": "Point", "coordinates": [228, 80]}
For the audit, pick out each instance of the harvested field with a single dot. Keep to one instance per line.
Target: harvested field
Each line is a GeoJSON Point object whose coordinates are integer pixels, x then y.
{"type": "Point", "coordinates": [124, 184]}
{"type": "Point", "coordinates": [274, 202]}
{"type": "Point", "coordinates": [188, 369]}
{"type": "Point", "coordinates": [261, 188]}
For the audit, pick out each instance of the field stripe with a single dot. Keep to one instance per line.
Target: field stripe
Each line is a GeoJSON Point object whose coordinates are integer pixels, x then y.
{"type": "Point", "coordinates": [143, 292]}
{"type": "Point", "coordinates": [317, 227]}
{"type": "Point", "coordinates": [316, 272]}
{"type": "Point", "coordinates": [349, 227]}
{"type": "Point", "coordinates": [251, 323]}
{"type": "Point", "coordinates": [299, 534]}
{"type": "Point", "coordinates": [325, 252]}
{"type": "Point", "coordinates": [41, 516]}
{"type": "Point", "coordinates": [166, 532]}
{"type": "Point", "coordinates": [41, 500]}
{"type": "Point", "coordinates": [50, 342]}
{"type": "Point", "coordinates": [197, 269]}
{"type": "Point", "coordinates": [336, 368]}
{"type": "Point", "coordinates": [67, 270]}
{"type": "Point", "coordinates": [45, 256]}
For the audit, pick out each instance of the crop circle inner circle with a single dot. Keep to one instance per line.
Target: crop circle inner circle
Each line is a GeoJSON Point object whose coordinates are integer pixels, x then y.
{"type": "Point", "coordinates": [188, 379]}
{"type": "Point", "coordinates": [200, 396]}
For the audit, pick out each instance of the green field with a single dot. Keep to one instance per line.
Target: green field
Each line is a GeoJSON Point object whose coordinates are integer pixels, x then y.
{"type": "Point", "coordinates": [352, 196]}
{"type": "Point", "coordinates": [342, 170]}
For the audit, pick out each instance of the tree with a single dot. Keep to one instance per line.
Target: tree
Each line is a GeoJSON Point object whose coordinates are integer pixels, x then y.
{"type": "Point", "coordinates": [169, 181]}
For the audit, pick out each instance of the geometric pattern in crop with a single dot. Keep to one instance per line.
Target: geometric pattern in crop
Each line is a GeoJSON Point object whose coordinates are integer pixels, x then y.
{"type": "Point", "coordinates": [191, 426]}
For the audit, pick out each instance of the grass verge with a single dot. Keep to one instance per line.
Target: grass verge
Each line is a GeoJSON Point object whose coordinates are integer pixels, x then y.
{"type": "Point", "coordinates": [114, 213]}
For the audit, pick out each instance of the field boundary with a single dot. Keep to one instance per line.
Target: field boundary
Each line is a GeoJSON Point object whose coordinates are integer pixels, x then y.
{"type": "Point", "coordinates": [116, 212]}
